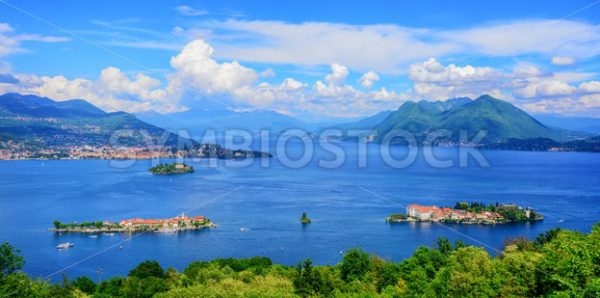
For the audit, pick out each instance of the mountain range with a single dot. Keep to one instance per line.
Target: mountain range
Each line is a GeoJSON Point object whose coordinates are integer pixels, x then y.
{"type": "Point", "coordinates": [45, 122]}
{"type": "Point", "coordinates": [73, 123]}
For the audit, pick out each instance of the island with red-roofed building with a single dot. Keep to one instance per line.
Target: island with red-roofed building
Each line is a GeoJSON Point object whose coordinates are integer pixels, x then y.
{"type": "Point", "coordinates": [468, 213]}
{"type": "Point", "coordinates": [179, 223]}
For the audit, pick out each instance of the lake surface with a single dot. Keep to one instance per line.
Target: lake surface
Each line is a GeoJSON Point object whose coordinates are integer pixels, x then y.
{"type": "Point", "coordinates": [347, 206]}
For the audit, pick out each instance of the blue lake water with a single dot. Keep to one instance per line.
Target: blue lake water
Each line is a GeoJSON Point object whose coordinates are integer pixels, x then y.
{"type": "Point", "coordinates": [347, 205]}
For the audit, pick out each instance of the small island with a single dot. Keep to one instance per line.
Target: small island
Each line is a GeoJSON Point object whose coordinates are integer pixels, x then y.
{"type": "Point", "coordinates": [467, 213]}
{"type": "Point", "coordinates": [171, 168]}
{"type": "Point", "coordinates": [175, 224]}
{"type": "Point", "coordinates": [304, 219]}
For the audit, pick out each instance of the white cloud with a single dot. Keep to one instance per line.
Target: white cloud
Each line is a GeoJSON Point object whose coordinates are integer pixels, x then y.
{"type": "Point", "coordinates": [268, 73]}
{"type": "Point", "coordinates": [384, 95]}
{"type": "Point", "coordinates": [563, 60]}
{"type": "Point", "coordinates": [291, 84]}
{"type": "Point", "coordinates": [112, 91]}
{"type": "Point", "coordinates": [10, 42]}
{"type": "Point", "coordinates": [368, 79]}
{"type": "Point", "coordinates": [527, 85]}
{"type": "Point", "coordinates": [190, 11]}
{"type": "Point", "coordinates": [432, 80]}
{"type": "Point", "coordinates": [338, 74]}
{"type": "Point", "coordinates": [433, 71]}
{"type": "Point", "coordinates": [590, 87]}
{"type": "Point", "coordinates": [197, 75]}
{"type": "Point", "coordinates": [550, 37]}
{"type": "Point", "coordinates": [113, 81]}
{"type": "Point", "coordinates": [195, 68]}
{"type": "Point", "coordinates": [322, 43]}
{"type": "Point", "coordinates": [545, 87]}
{"type": "Point", "coordinates": [387, 49]}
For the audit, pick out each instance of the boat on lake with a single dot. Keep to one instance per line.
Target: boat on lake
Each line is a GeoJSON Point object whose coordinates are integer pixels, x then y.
{"type": "Point", "coordinates": [65, 245]}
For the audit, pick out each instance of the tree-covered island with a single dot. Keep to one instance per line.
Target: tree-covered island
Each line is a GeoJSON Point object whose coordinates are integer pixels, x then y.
{"type": "Point", "coordinates": [179, 223]}
{"type": "Point", "coordinates": [304, 218]}
{"type": "Point", "coordinates": [171, 168]}
{"type": "Point", "coordinates": [469, 213]}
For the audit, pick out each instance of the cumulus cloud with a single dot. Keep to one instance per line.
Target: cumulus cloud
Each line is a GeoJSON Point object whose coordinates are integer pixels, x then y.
{"type": "Point", "coordinates": [291, 84]}
{"type": "Point", "coordinates": [368, 79]}
{"type": "Point", "coordinates": [335, 86]}
{"type": "Point", "coordinates": [338, 74]}
{"type": "Point", "coordinates": [112, 91]}
{"type": "Point", "coordinates": [544, 87]}
{"type": "Point", "coordinates": [195, 68]}
{"type": "Point", "coordinates": [433, 80]}
{"type": "Point", "coordinates": [527, 85]}
{"type": "Point", "coordinates": [590, 87]}
{"type": "Point", "coordinates": [563, 60]}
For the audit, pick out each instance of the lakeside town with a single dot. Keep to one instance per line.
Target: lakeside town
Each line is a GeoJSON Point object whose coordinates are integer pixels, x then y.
{"type": "Point", "coordinates": [12, 151]}
{"type": "Point", "coordinates": [468, 213]}
{"type": "Point", "coordinates": [17, 151]}
{"type": "Point", "coordinates": [175, 224]}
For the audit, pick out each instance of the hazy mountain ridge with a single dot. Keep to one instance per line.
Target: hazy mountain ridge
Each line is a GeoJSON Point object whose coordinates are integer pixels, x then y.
{"type": "Point", "coordinates": [582, 124]}
{"type": "Point", "coordinates": [197, 122]}
{"type": "Point", "coordinates": [365, 123]}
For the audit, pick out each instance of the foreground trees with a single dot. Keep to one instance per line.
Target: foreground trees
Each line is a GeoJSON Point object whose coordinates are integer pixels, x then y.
{"type": "Point", "coordinates": [559, 263]}
{"type": "Point", "coordinates": [10, 259]}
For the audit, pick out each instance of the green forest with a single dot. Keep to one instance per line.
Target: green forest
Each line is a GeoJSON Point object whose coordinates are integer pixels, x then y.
{"type": "Point", "coordinates": [558, 263]}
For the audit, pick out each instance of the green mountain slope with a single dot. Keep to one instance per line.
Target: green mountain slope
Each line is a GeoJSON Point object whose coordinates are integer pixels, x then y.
{"type": "Point", "coordinates": [501, 120]}
{"type": "Point", "coordinates": [73, 123]}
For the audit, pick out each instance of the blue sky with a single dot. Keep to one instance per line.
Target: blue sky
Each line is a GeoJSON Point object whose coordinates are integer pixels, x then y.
{"type": "Point", "coordinates": [303, 58]}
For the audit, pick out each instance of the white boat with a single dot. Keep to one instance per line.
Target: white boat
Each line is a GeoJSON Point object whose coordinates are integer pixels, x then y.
{"type": "Point", "coordinates": [93, 236]}
{"type": "Point", "coordinates": [65, 245]}
{"type": "Point", "coordinates": [243, 229]}
{"type": "Point", "coordinates": [109, 234]}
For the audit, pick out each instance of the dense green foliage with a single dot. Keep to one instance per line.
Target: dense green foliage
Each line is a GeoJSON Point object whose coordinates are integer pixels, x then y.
{"type": "Point", "coordinates": [10, 259]}
{"type": "Point", "coordinates": [171, 168]}
{"type": "Point", "coordinates": [558, 263]}
{"type": "Point", "coordinates": [397, 217]}
{"type": "Point", "coordinates": [509, 212]}
{"type": "Point", "coordinates": [83, 225]}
